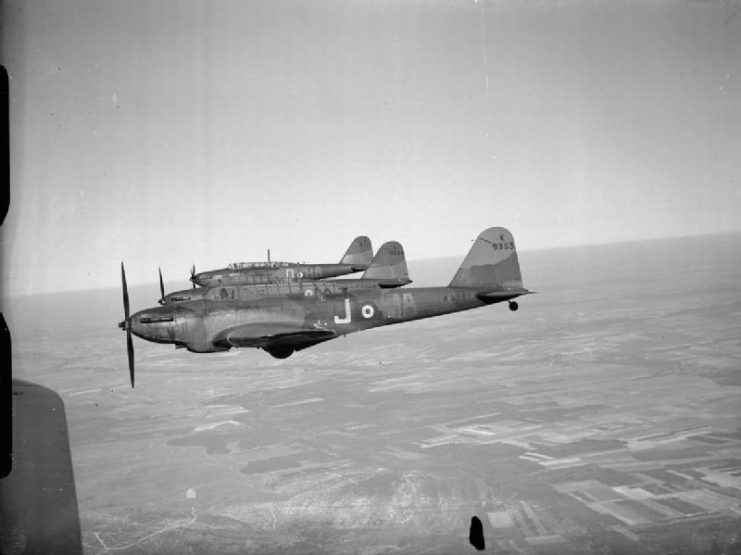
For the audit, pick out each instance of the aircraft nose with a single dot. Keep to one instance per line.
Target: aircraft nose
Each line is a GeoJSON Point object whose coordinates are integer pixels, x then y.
{"type": "Point", "coordinates": [152, 324]}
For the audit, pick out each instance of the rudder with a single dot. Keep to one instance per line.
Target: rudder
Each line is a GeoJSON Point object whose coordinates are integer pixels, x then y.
{"type": "Point", "coordinates": [491, 264]}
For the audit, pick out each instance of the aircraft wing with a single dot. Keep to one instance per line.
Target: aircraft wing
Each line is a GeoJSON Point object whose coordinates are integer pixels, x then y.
{"type": "Point", "coordinates": [38, 501]}
{"type": "Point", "coordinates": [271, 334]}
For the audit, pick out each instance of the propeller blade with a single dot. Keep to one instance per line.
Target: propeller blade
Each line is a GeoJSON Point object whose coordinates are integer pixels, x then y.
{"type": "Point", "coordinates": [193, 274]}
{"type": "Point", "coordinates": [162, 286]}
{"type": "Point", "coordinates": [126, 324]}
{"type": "Point", "coordinates": [130, 353]}
{"type": "Point", "coordinates": [125, 293]}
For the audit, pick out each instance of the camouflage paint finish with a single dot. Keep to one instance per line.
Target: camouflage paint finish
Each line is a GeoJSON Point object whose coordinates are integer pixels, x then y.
{"type": "Point", "coordinates": [357, 258]}
{"type": "Point", "coordinates": [491, 260]}
{"type": "Point", "coordinates": [207, 326]}
{"type": "Point", "coordinates": [284, 324]}
{"type": "Point", "coordinates": [359, 254]}
{"type": "Point", "coordinates": [387, 269]}
{"type": "Point", "coordinates": [389, 265]}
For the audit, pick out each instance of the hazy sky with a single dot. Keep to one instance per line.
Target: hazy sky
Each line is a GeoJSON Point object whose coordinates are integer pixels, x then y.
{"type": "Point", "coordinates": [165, 133]}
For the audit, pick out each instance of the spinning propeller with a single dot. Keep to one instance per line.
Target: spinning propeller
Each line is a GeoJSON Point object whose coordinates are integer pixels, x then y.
{"type": "Point", "coordinates": [126, 324]}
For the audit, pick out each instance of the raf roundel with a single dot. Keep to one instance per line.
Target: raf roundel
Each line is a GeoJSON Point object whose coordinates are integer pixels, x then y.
{"type": "Point", "coordinates": [367, 311]}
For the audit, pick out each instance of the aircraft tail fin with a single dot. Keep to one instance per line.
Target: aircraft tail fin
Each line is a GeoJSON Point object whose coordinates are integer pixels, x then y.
{"type": "Point", "coordinates": [359, 254]}
{"type": "Point", "coordinates": [389, 265]}
{"type": "Point", "coordinates": [491, 264]}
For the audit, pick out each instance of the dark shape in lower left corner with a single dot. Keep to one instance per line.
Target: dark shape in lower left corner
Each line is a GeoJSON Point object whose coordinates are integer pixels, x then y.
{"type": "Point", "coordinates": [38, 500]}
{"type": "Point", "coordinates": [476, 534]}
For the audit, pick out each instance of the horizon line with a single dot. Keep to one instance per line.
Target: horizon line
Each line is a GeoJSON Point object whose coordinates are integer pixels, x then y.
{"type": "Point", "coordinates": [441, 257]}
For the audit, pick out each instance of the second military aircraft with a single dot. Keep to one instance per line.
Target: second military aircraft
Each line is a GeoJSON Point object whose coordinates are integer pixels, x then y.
{"type": "Point", "coordinates": [356, 259]}
{"type": "Point", "coordinates": [388, 269]}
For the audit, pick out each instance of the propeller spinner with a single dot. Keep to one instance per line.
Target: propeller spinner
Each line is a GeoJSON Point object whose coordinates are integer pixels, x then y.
{"type": "Point", "coordinates": [126, 325]}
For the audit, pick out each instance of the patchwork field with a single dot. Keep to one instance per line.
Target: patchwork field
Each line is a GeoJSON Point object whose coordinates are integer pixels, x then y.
{"type": "Point", "coordinates": [602, 417]}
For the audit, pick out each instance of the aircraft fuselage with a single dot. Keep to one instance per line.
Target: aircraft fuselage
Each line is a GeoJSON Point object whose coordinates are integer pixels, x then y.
{"type": "Point", "coordinates": [289, 288]}
{"type": "Point", "coordinates": [276, 273]}
{"type": "Point", "coordinates": [200, 325]}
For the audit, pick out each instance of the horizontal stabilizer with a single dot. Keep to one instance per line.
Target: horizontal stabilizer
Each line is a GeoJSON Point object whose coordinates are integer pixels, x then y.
{"type": "Point", "coordinates": [504, 294]}
{"type": "Point", "coordinates": [393, 283]}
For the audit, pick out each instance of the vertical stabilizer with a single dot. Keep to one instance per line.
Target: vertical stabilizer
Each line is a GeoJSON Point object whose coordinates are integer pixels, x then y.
{"type": "Point", "coordinates": [491, 264]}
{"type": "Point", "coordinates": [390, 263]}
{"type": "Point", "coordinates": [359, 254]}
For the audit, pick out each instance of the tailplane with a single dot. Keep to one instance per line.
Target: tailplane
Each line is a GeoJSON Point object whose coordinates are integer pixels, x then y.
{"type": "Point", "coordinates": [389, 266]}
{"type": "Point", "coordinates": [359, 254]}
{"type": "Point", "coordinates": [491, 264]}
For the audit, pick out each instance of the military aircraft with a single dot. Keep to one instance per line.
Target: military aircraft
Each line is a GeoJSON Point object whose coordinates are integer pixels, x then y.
{"type": "Point", "coordinates": [356, 259]}
{"type": "Point", "coordinates": [490, 273]}
{"type": "Point", "coordinates": [388, 269]}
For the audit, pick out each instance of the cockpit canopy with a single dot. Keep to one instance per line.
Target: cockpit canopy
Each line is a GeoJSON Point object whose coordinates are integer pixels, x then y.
{"type": "Point", "coordinates": [250, 265]}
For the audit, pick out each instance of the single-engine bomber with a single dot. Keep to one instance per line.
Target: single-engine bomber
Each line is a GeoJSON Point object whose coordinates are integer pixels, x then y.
{"type": "Point", "coordinates": [281, 325]}
{"type": "Point", "coordinates": [387, 270]}
{"type": "Point", "coordinates": [356, 259]}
